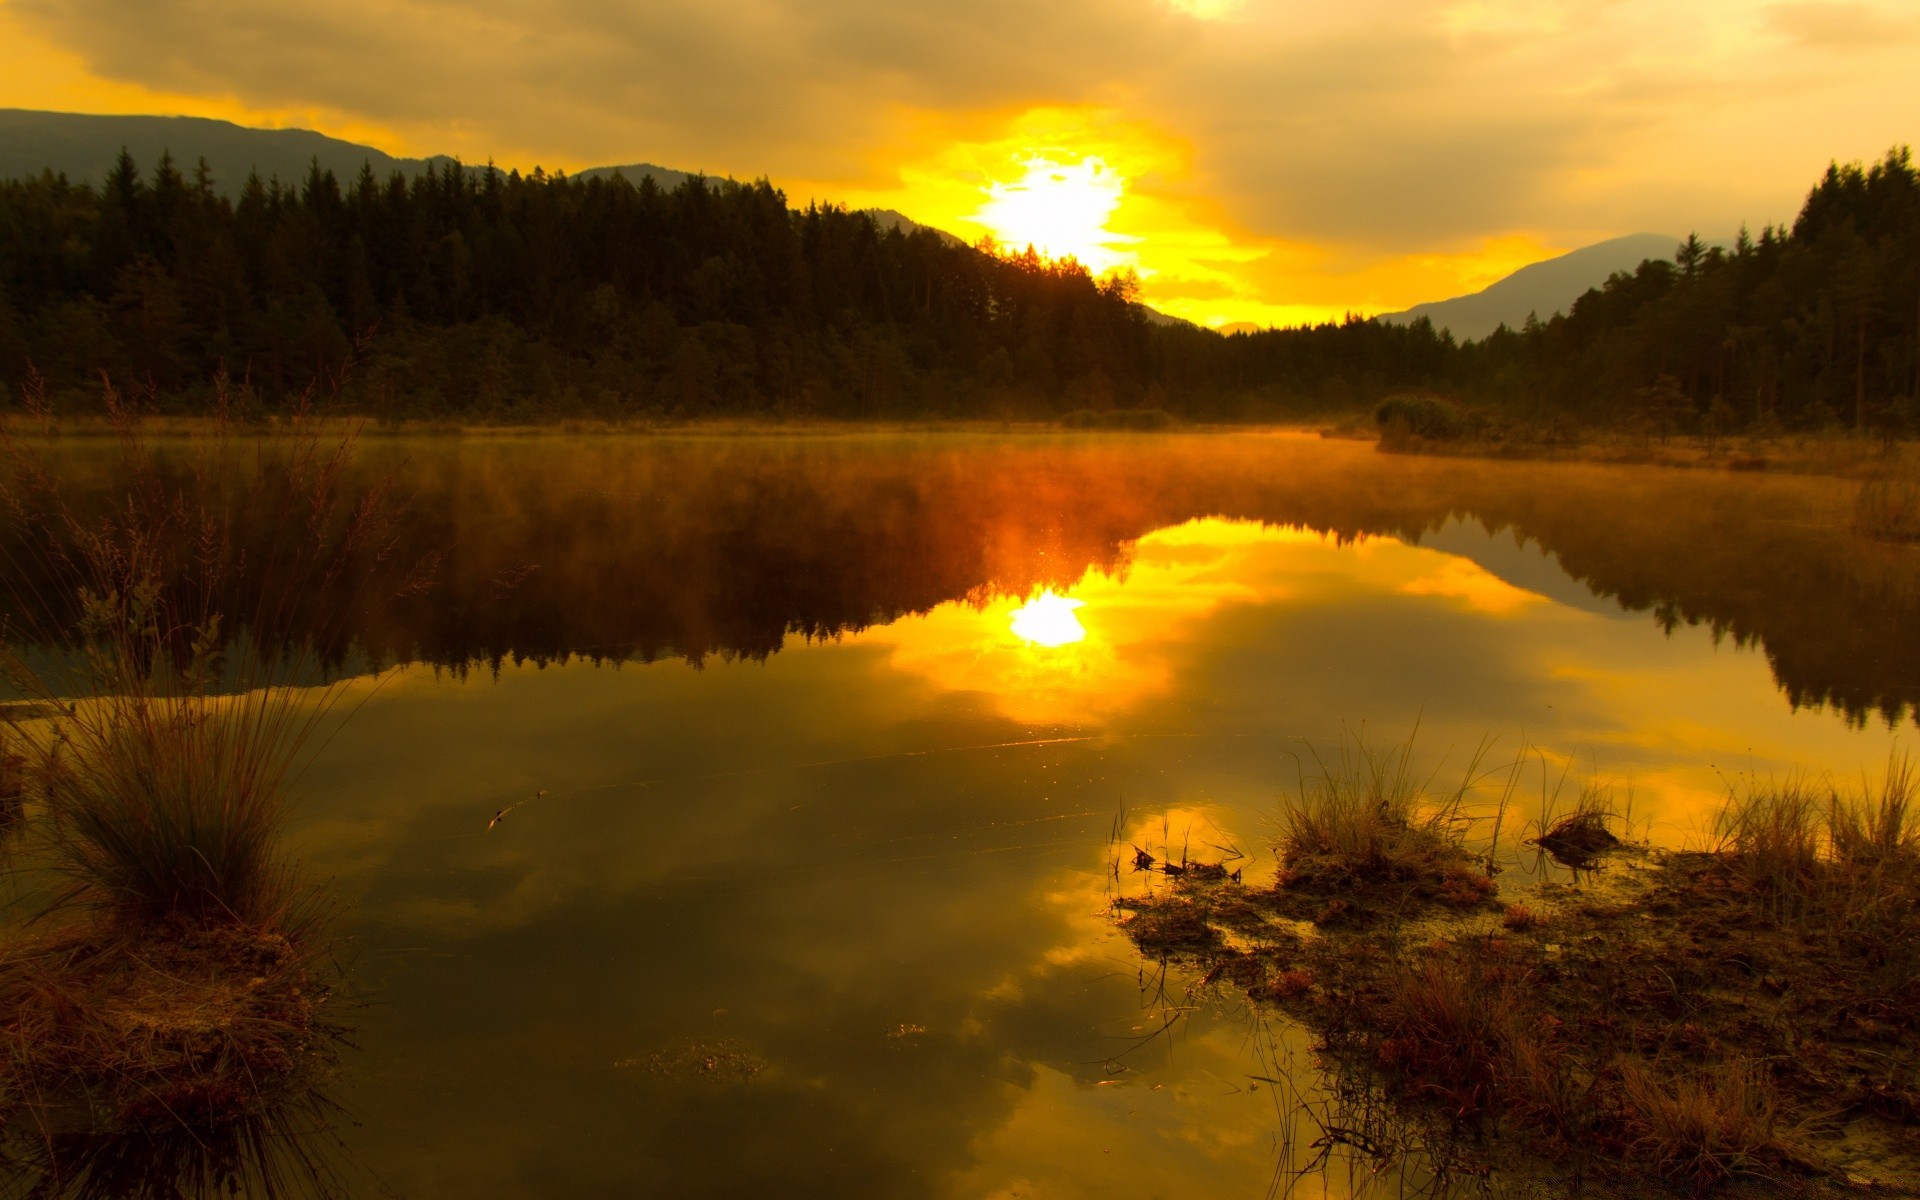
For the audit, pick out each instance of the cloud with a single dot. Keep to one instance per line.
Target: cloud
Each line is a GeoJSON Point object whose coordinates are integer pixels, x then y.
{"type": "Point", "coordinates": [746, 85]}
{"type": "Point", "coordinates": [1299, 148]}
{"type": "Point", "coordinates": [1839, 25]}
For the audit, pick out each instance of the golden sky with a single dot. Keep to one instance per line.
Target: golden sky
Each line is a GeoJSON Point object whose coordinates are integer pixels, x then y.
{"type": "Point", "coordinates": [1254, 160]}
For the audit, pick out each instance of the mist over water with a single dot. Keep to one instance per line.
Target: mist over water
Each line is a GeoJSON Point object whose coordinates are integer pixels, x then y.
{"type": "Point", "coordinates": [802, 880]}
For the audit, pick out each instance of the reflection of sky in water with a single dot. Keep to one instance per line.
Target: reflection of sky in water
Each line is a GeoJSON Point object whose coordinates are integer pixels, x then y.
{"type": "Point", "coordinates": [876, 863]}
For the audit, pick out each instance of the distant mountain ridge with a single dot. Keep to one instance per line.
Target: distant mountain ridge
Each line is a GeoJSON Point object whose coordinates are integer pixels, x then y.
{"type": "Point", "coordinates": [84, 147]}
{"type": "Point", "coordinates": [1540, 289]}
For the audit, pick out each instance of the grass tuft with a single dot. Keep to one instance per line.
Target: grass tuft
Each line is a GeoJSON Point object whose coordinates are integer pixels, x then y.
{"type": "Point", "coordinates": [1519, 918]}
{"type": "Point", "coordinates": [1703, 1128]}
{"type": "Point", "coordinates": [1835, 861]}
{"type": "Point", "coordinates": [1368, 816]}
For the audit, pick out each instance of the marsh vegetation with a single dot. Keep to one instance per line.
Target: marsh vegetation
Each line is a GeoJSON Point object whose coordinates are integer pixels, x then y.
{"type": "Point", "coordinates": [1735, 1016]}
{"type": "Point", "coordinates": [171, 996]}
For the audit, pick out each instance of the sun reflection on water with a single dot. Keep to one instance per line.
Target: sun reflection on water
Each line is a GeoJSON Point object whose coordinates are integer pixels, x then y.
{"type": "Point", "coordinates": [1049, 620]}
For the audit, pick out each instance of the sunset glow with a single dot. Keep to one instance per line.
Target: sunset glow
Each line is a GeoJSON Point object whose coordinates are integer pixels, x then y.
{"type": "Point", "coordinates": [1060, 208]}
{"type": "Point", "coordinates": [1049, 620]}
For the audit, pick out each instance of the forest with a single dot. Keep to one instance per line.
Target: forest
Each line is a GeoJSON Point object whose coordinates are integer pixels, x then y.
{"type": "Point", "coordinates": [478, 294]}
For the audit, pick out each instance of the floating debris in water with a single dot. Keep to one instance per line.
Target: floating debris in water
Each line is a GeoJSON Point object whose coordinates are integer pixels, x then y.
{"type": "Point", "coordinates": [711, 1060]}
{"type": "Point", "coordinates": [502, 814]}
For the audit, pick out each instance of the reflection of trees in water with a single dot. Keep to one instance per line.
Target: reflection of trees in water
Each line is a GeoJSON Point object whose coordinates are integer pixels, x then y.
{"type": "Point", "coordinates": [615, 549]}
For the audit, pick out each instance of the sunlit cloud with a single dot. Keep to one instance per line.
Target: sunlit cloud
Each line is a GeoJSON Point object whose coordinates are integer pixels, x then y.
{"type": "Point", "coordinates": [1206, 10]}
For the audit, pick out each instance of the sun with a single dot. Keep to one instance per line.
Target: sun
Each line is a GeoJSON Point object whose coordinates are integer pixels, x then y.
{"type": "Point", "coordinates": [1048, 620]}
{"type": "Point", "coordinates": [1060, 207]}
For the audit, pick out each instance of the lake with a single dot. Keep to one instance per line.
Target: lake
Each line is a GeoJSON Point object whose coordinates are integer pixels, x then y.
{"type": "Point", "coordinates": [819, 760]}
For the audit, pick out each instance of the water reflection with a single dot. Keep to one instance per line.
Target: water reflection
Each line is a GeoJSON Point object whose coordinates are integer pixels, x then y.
{"type": "Point", "coordinates": [638, 549]}
{"type": "Point", "coordinates": [821, 910]}
{"type": "Point", "coordinates": [1048, 620]}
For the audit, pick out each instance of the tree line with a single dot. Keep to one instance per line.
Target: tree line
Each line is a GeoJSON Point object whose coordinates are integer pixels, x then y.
{"type": "Point", "coordinates": [495, 295]}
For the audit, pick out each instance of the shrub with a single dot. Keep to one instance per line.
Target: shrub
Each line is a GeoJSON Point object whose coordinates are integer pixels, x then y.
{"type": "Point", "coordinates": [1422, 415]}
{"type": "Point", "coordinates": [1520, 918]}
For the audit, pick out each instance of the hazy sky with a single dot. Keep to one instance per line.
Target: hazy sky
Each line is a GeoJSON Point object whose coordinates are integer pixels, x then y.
{"type": "Point", "coordinates": [1256, 160]}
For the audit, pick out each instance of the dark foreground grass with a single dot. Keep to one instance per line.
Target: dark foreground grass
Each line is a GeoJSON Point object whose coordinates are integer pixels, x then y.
{"type": "Point", "coordinates": [1741, 1020]}
{"type": "Point", "coordinates": [167, 1016]}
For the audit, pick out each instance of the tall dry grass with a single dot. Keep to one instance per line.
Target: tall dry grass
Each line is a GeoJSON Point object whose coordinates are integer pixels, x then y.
{"type": "Point", "coordinates": [1841, 861]}
{"type": "Point", "coordinates": [1368, 807]}
{"type": "Point", "coordinates": [1704, 1127]}
{"type": "Point", "coordinates": [166, 1031]}
{"type": "Point", "coordinates": [166, 616]}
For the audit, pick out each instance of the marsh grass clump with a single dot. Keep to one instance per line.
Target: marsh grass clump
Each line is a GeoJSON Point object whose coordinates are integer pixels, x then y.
{"type": "Point", "coordinates": [1829, 857]}
{"type": "Point", "coordinates": [1701, 1128]}
{"type": "Point", "coordinates": [1449, 1022]}
{"type": "Point", "coordinates": [1368, 828]}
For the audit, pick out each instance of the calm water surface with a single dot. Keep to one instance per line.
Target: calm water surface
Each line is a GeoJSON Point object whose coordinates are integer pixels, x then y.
{"type": "Point", "coordinates": [815, 901]}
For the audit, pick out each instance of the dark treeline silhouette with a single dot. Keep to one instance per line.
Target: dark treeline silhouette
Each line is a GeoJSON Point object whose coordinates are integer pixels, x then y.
{"type": "Point", "coordinates": [499, 296]}
{"type": "Point", "coordinates": [1806, 326]}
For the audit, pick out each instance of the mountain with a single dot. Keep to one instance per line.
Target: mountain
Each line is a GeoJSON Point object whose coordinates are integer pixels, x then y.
{"type": "Point", "coordinates": [1542, 289]}
{"type": "Point", "coordinates": [83, 147]}
{"type": "Point", "coordinates": [664, 178]}
{"type": "Point", "coordinates": [886, 219]}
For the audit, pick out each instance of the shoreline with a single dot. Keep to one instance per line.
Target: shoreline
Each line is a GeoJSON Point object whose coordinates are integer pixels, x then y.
{"type": "Point", "coordinates": [1829, 455]}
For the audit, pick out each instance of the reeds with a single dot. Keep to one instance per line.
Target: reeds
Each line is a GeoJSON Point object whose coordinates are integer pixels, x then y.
{"type": "Point", "coordinates": [1463, 1031]}
{"type": "Point", "coordinates": [1368, 827]}
{"type": "Point", "coordinates": [175, 617]}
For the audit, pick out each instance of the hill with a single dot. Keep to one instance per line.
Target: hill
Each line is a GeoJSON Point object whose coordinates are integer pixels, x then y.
{"type": "Point", "coordinates": [83, 147]}
{"type": "Point", "coordinates": [665, 178]}
{"type": "Point", "coordinates": [1541, 289]}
